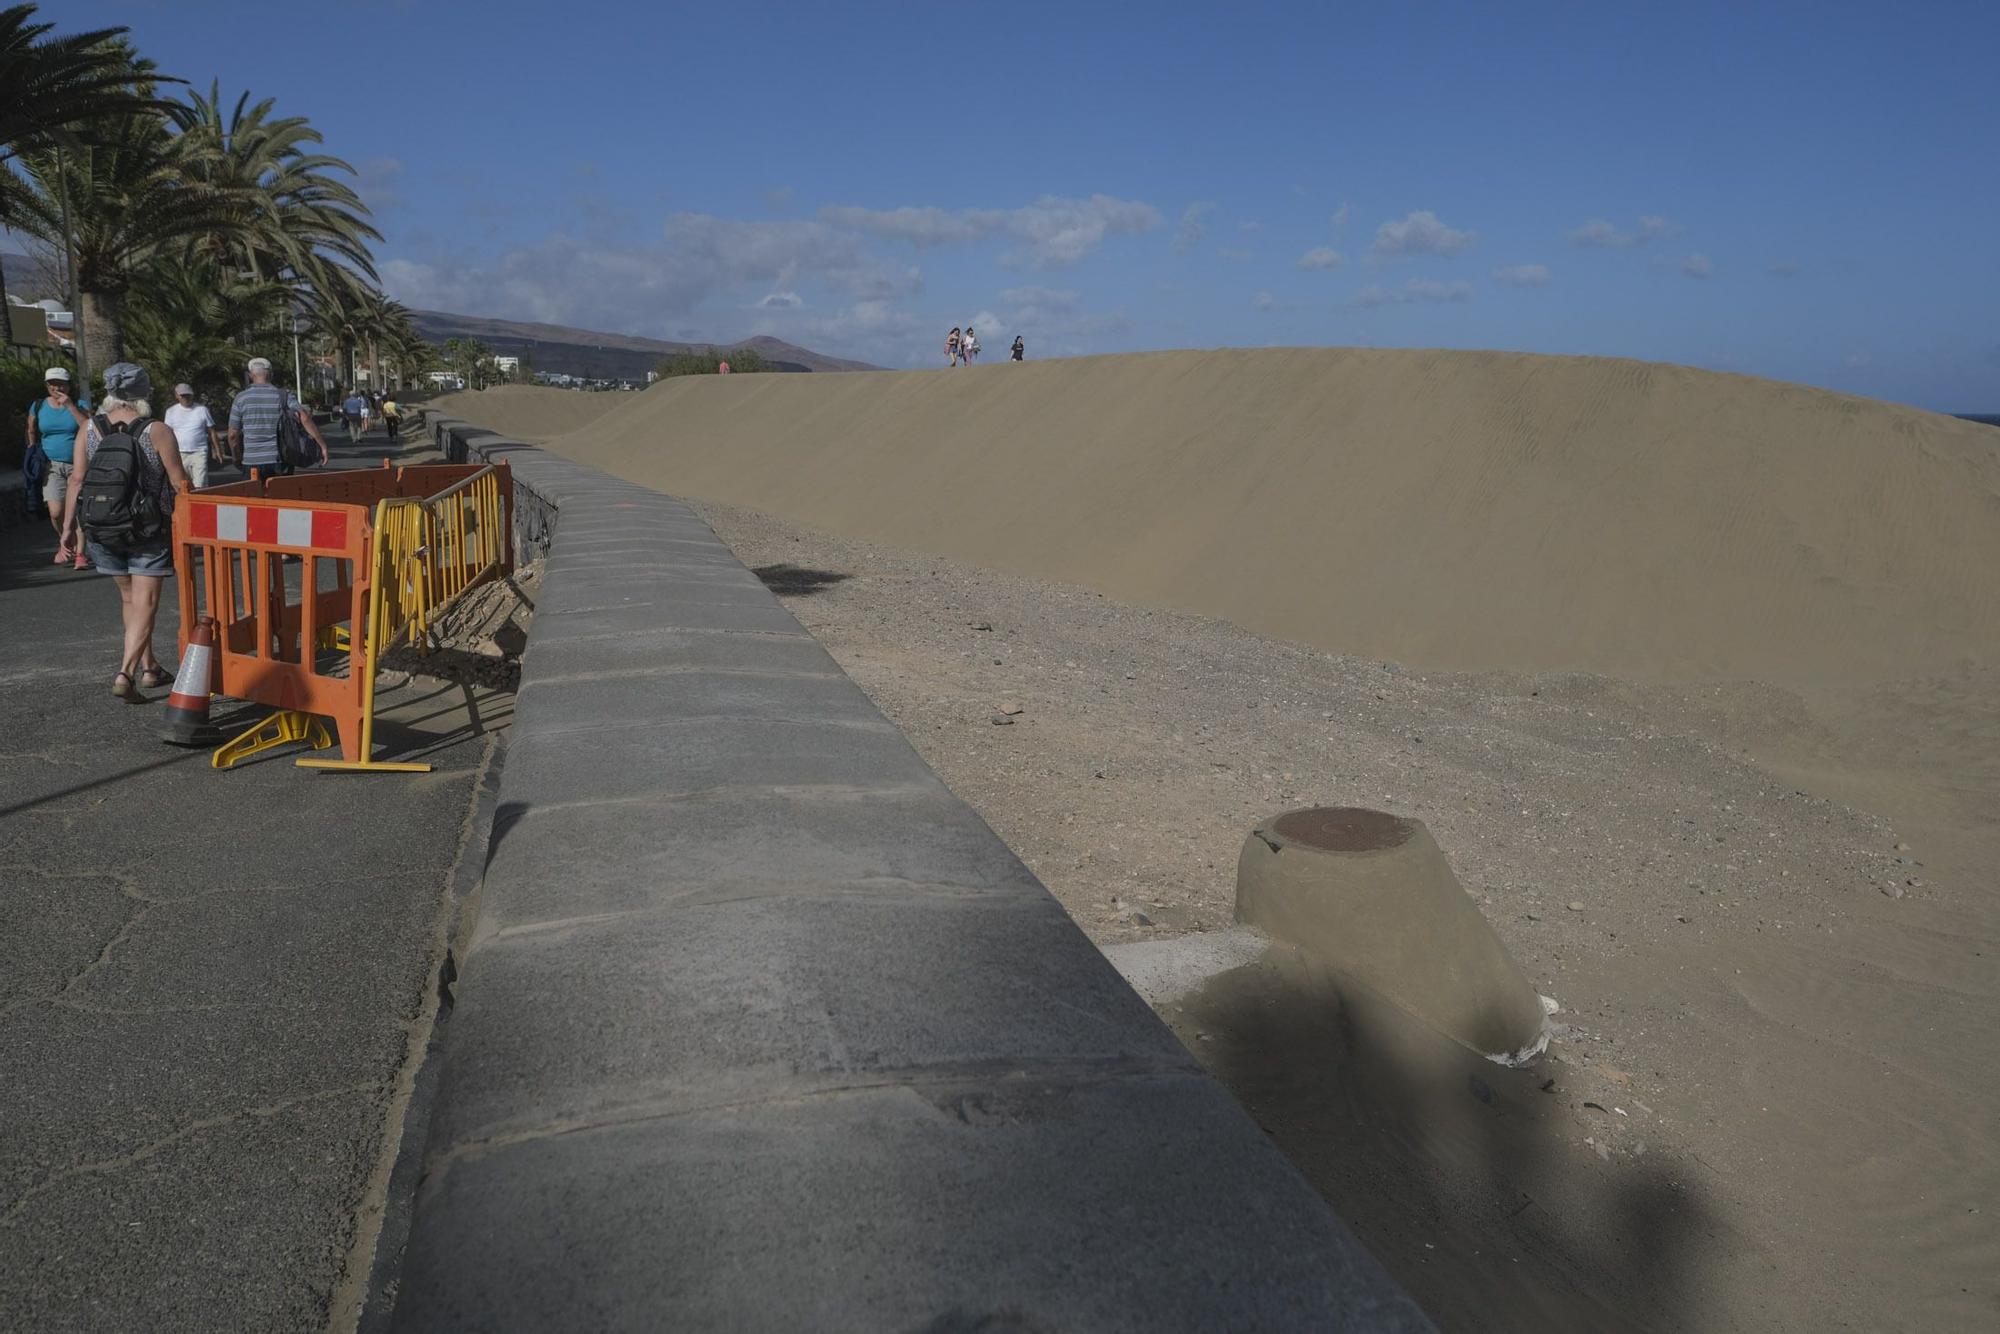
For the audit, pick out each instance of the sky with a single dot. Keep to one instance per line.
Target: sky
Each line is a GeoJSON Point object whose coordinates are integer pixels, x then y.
{"type": "Point", "coordinates": [1802, 191]}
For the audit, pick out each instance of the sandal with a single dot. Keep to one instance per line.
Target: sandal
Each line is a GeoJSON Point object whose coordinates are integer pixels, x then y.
{"type": "Point", "coordinates": [121, 686]}
{"type": "Point", "coordinates": [155, 677]}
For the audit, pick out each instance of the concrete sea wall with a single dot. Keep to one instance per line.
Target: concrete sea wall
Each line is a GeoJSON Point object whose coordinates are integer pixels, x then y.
{"type": "Point", "coordinates": [759, 1026]}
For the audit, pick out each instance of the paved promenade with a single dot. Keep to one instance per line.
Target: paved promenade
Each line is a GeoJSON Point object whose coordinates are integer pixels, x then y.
{"type": "Point", "coordinates": [207, 982]}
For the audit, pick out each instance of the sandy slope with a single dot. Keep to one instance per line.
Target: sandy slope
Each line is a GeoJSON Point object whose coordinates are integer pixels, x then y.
{"type": "Point", "coordinates": [1456, 509]}
{"type": "Point", "coordinates": [1791, 937]}
{"type": "Point", "coordinates": [528, 411]}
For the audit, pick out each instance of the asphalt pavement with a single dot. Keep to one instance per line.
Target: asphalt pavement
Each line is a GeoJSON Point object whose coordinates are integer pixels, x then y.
{"type": "Point", "coordinates": [209, 980]}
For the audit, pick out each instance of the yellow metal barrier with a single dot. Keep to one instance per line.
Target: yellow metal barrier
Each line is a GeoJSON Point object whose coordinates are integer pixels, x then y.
{"type": "Point", "coordinates": [427, 553]}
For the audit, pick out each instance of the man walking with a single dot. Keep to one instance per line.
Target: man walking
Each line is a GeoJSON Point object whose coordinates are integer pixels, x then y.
{"type": "Point", "coordinates": [254, 418]}
{"type": "Point", "coordinates": [194, 431]}
{"type": "Point", "coordinates": [355, 413]}
{"type": "Point", "coordinates": [392, 417]}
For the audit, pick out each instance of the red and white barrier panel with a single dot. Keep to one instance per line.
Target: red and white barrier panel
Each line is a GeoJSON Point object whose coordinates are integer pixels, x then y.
{"type": "Point", "coordinates": [297, 528]}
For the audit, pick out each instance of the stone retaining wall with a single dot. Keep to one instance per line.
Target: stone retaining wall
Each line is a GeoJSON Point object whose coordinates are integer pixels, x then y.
{"type": "Point", "coordinates": [760, 1027]}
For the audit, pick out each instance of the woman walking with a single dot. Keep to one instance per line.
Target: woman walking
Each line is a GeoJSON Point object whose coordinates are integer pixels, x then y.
{"type": "Point", "coordinates": [54, 423]}
{"type": "Point", "coordinates": [951, 346]}
{"type": "Point", "coordinates": [140, 567]}
{"type": "Point", "coordinates": [969, 345]}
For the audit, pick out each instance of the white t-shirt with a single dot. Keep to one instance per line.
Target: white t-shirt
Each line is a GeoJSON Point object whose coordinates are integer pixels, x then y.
{"type": "Point", "coordinates": [191, 427]}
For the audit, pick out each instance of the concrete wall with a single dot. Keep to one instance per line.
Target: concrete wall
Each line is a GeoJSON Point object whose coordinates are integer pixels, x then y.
{"type": "Point", "coordinates": [761, 1027]}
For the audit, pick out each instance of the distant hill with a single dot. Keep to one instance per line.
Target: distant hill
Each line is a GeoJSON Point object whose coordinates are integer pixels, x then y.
{"type": "Point", "coordinates": [552, 347]}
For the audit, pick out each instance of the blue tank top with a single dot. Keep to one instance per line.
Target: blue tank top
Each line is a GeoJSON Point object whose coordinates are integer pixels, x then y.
{"type": "Point", "coordinates": [58, 430]}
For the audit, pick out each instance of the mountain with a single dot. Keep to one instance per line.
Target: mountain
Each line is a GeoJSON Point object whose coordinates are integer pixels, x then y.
{"type": "Point", "coordinates": [552, 347]}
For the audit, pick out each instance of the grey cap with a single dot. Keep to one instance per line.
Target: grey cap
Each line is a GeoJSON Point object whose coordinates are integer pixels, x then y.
{"type": "Point", "coordinates": [259, 364]}
{"type": "Point", "coordinates": [55, 373]}
{"type": "Point", "coordinates": [180, 389]}
{"type": "Point", "coordinates": [125, 380]}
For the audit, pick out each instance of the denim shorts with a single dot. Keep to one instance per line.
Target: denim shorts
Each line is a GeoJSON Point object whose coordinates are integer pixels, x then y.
{"type": "Point", "coordinates": [155, 561]}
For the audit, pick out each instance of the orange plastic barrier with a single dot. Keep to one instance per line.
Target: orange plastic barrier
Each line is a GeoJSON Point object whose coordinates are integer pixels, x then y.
{"type": "Point", "coordinates": [309, 593]}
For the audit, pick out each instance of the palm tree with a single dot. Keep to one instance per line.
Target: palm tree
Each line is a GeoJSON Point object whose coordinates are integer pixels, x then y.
{"type": "Point", "coordinates": [52, 90]}
{"type": "Point", "coordinates": [187, 321]}
{"type": "Point", "coordinates": [130, 206]}
{"type": "Point", "coordinates": [296, 213]}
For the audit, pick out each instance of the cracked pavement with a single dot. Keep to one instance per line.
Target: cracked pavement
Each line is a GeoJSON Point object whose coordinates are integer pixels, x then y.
{"type": "Point", "coordinates": [208, 980]}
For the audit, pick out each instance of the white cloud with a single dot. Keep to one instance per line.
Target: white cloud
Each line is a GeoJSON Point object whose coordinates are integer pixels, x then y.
{"type": "Point", "coordinates": [1263, 301]}
{"type": "Point", "coordinates": [778, 196]}
{"type": "Point", "coordinates": [1340, 215]}
{"type": "Point", "coordinates": [1055, 317]}
{"type": "Point", "coordinates": [1250, 225]}
{"type": "Point", "coordinates": [700, 267]}
{"type": "Point", "coordinates": [1522, 275]}
{"type": "Point", "coordinates": [1599, 234]}
{"type": "Point", "coordinates": [780, 301]}
{"type": "Point", "coordinates": [1416, 290]}
{"type": "Point", "coordinates": [1421, 233]}
{"type": "Point", "coordinates": [378, 184]}
{"type": "Point", "coordinates": [1052, 232]}
{"type": "Point", "coordinates": [1188, 235]}
{"type": "Point", "coordinates": [1697, 266]}
{"type": "Point", "coordinates": [1321, 258]}
{"type": "Point", "coordinates": [1042, 298]}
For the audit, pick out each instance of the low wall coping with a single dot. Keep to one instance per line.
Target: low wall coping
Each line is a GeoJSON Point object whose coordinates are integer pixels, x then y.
{"type": "Point", "coordinates": [760, 1026]}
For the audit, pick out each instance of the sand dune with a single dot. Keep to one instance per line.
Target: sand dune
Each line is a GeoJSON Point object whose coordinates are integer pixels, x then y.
{"type": "Point", "coordinates": [1452, 509]}
{"type": "Point", "coordinates": [528, 411]}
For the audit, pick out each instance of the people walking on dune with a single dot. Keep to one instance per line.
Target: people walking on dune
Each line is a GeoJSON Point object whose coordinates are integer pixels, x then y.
{"type": "Point", "coordinates": [254, 419]}
{"type": "Point", "coordinates": [194, 431]}
{"type": "Point", "coordinates": [55, 425]}
{"type": "Point", "coordinates": [1020, 349]}
{"type": "Point", "coordinates": [969, 345]}
{"type": "Point", "coordinates": [951, 346]}
{"type": "Point", "coordinates": [133, 465]}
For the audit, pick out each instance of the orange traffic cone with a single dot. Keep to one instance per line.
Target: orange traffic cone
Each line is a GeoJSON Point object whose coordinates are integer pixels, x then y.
{"type": "Point", "coordinates": [187, 705]}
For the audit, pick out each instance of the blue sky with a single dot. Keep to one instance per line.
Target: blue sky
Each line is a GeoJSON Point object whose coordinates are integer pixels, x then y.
{"type": "Point", "coordinates": [1805, 191]}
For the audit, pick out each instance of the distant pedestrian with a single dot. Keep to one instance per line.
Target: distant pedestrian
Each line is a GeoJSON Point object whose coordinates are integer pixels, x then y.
{"type": "Point", "coordinates": [969, 345]}
{"type": "Point", "coordinates": [355, 413]}
{"type": "Point", "coordinates": [135, 470]}
{"type": "Point", "coordinates": [392, 416]}
{"type": "Point", "coordinates": [951, 346]}
{"type": "Point", "coordinates": [195, 433]}
{"type": "Point", "coordinates": [254, 418]}
{"type": "Point", "coordinates": [55, 424]}
{"type": "Point", "coordinates": [1020, 349]}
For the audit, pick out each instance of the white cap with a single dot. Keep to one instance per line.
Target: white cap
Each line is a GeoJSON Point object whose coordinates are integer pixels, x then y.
{"type": "Point", "coordinates": [55, 373]}
{"type": "Point", "coordinates": [180, 389]}
{"type": "Point", "coordinates": [260, 364]}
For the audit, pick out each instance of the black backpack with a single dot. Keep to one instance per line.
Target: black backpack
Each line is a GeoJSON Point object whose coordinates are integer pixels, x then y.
{"type": "Point", "coordinates": [118, 510]}
{"type": "Point", "coordinates": [296, 449]}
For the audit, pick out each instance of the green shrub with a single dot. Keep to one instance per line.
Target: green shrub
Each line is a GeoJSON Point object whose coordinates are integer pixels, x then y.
{"type": "Point", "coordinates": [742, 361]}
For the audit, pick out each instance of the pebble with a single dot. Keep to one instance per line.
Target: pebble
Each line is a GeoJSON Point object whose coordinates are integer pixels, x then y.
{"type": "Point", "coordinates": [1574, 905]}
{"type": "Point", "coordinates": [1893, 891]}
{"type": "Point", "coordinates": [1001, 720]}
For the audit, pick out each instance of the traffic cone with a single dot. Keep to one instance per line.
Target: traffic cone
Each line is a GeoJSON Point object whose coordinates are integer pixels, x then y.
{"type": "Point", "coordinates": [187, 705]}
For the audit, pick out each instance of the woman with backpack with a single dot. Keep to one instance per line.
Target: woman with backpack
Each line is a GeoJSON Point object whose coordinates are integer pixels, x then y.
{"type": "Point", "coordinates": [131, 469]}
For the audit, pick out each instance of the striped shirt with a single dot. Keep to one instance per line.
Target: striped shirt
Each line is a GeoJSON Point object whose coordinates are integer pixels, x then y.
{"type": "Point", "coordinates": [256, 413]}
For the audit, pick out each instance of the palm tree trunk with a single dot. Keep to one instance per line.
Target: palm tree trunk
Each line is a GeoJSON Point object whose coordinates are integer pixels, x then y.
{"type": "Point", "coordinates": [374, 368]}
{"type": "Point", "coordinates": [101, 325]}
